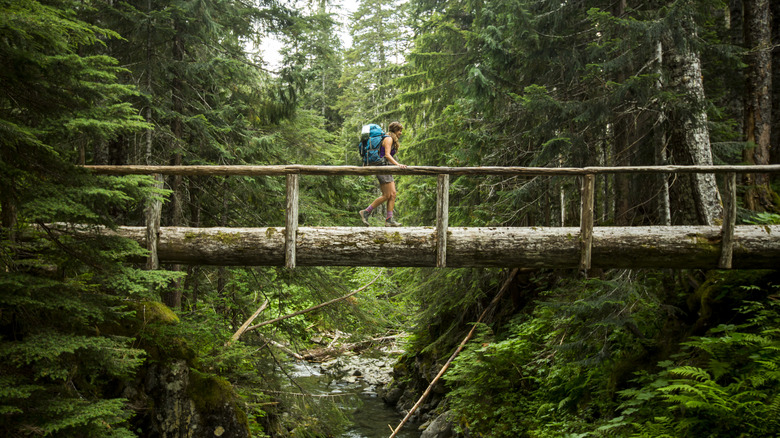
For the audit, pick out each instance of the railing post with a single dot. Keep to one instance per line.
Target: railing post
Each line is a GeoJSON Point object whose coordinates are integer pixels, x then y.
{"type": "Point", "coordinates": [586, 220]}
{"type": "Point", "coordinates": [291, 220]}
{"type": "Point", "coordinates": [729, 221]}
{"type": "Point", "coordinates": [442, 218]}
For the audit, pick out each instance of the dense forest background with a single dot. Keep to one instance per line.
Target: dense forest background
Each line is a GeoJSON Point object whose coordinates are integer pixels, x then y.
{"type": "Point", "coordinates": [85, 334]}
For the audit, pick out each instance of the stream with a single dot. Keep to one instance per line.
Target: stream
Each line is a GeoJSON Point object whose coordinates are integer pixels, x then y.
{"type": "Point", "coordinates": [358, 375]}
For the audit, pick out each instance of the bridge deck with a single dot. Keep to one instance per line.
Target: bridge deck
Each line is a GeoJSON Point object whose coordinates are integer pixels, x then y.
{"type": "Point", "coordinates": [616, 247]}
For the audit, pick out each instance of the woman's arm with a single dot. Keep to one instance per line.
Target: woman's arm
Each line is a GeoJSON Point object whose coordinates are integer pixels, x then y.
{"type": "Point", "coordinates": [387, 144]}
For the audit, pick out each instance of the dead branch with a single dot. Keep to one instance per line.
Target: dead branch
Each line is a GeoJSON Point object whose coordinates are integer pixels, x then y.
{"type": "Point", "coordinates": [301, 312]}
{"type": "Point", "coordinates": [246, 323]}
{"type": "Point", "coordinates": [492, 304]}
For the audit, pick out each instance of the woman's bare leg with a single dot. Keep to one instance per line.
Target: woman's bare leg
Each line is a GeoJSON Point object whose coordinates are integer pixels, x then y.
{"type": "Point", "coordinates": [388, 190]}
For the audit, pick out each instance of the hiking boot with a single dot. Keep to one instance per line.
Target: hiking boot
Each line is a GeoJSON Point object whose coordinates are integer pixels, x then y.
{"type": "Point", "coordinates": [364, 215]}
{"type": "Point", "coordinates": [392, 223]}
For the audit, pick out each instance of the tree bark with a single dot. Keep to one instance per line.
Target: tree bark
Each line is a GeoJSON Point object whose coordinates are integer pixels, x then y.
{"type": "Point", "coordinates": [689, 139]}
{"type": "Point", "coordinates": [623, 135]}
{"type": "Point", "coordinates": [8, 195]}
{"type": "Point", "coordinates": [172, 296]}
{"type": "Point", "coordinates": [152, 215]}
{"type": "Point", "coordinates": [622, 181]}
{"type": "Point", "coordinates": [774, 152]}
{"type": "Point", "coordinates": [758, 102]}
{"type": "Point", "coordinates": [659, 144]}
{"type": "Point", "coordinates": [613, 247]}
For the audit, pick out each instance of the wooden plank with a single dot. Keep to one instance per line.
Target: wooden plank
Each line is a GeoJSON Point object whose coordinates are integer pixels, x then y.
{"type": "Point", "coordinates": [729, 222]}
{"type": "Point", "coordinates": [442, 219]}
{"type": "Point", "coordinates": [418, 170]}
{"type": "Point", "coordinates": [291, 221]}
{"type": "Point", "coordinates": [676, 247]}
{"type": "Point", "coordinates": [586, 220]}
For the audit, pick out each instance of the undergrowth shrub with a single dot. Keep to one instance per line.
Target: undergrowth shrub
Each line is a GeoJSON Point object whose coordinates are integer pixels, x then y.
{"type": "Point", "coordinates": [549, 372]}
{"type": "Point", "coordinates": [723, 384]}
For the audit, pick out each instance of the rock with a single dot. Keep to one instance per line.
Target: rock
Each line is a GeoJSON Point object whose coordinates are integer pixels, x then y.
{"type": "Point", "coordinates": [187, 404]}
{"type": "Point", "coordinates": [392, 396]}
{"type": "Point", "coordinates": [439, 428]}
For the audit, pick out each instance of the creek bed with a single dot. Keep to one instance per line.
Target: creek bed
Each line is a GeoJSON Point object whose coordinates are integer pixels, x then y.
{"type": "Point", "coordinates": [358, 376]}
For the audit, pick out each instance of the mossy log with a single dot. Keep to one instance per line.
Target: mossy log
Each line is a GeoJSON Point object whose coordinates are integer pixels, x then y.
{"type": "Point", "coordinates": [612, 247]}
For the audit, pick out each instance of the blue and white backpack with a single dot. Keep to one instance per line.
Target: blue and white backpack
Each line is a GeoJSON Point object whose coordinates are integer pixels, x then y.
{"type": "Point", "coordinates": [370, 145]}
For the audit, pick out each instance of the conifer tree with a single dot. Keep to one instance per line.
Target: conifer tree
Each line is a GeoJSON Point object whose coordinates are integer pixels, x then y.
{"type": "Point", "coordinates": [374, 60]}
{"type": "Point", "coordinates": [202, 95]}
{"type": "Point", "coordinates": [758, 101]}
{"type": "Point", "coordinates": [62, 297]}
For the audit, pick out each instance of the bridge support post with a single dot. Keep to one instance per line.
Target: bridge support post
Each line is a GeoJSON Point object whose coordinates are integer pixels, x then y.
{"type": "Point", "coordinates": [729, 222]}
{"type": "Point", "coordinates": [291, 221]}
{"type": "Point", "coordinates": [442, 218]}
{"type": "Point", "coordinates": [586, 220]}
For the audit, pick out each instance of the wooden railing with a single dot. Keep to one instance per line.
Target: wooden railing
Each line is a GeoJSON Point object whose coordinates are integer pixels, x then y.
{"type": "Point", "coordinates": [292, 173]}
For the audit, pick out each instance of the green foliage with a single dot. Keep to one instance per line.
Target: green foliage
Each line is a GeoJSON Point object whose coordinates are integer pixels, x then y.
{"type": "Point", "coordinates": [552, 369]}
{"type": "Point", "coordinates": [764, 218]}
{"type": "Point", "coordinates": [733, 388]}
{"type": "Point", "coordinates": [512, 82]}
{"type": "Point", "coordinates": [562, 365]}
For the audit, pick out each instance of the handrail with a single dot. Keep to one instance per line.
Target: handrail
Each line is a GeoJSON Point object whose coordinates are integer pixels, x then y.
{"type": "Point", "coordinates": [249, 170]}
{"type": "Point", "coordinates": [587, 194]}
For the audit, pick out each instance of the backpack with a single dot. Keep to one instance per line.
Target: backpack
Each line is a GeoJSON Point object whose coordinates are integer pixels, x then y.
{"type": "Point", "coordinates": [371, 137]}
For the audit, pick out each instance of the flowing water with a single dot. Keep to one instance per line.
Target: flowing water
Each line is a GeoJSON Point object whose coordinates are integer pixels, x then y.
{"type": "Point", "coordinates": [358, 376]}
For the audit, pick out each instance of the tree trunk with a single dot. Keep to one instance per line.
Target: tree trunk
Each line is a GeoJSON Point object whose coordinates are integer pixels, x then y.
{"type": "Point", "coordinates": [622, 181]}
{"type": "Point", "coordinates": [613, 247]}
{"type": "Point", "coordinates": [192, 281]}
{"type": "Point", "coordinates": [774, 152]}
{"type": "Point", "coordinates": [149, 137]}
{"type": "Point", "coordinates": [622, 149]}
{"type": "Point", "coordinates": [172, 296]}
{"type": "Point", "coordinates": [689, 140]}
{"type": "Point", "coordinates": [758, 102]}
{"type": "Point", "coordinates": [659, 143]}
{"type": "Point", "coordinates": [152, 218]}
{"type": "Point", "coordinates": [117, 151]}
{"type": "Point", "coordinates": [8, 196]}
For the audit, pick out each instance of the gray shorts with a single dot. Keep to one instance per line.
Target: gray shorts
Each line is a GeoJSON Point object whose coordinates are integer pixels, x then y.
{"type": "Point", "coordinates": [384, 179]}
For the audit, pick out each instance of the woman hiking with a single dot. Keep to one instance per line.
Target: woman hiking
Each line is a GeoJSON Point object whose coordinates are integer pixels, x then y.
{"type": "Point", "coordinates": [388, 149]}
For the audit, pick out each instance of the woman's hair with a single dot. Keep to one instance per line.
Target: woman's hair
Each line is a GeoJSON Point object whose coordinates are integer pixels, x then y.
{"type": "Point", "coordinates": [395, 127]}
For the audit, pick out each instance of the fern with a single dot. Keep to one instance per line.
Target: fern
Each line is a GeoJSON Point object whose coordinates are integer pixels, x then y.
{"type": "Point", "coordinates": [736, 389]}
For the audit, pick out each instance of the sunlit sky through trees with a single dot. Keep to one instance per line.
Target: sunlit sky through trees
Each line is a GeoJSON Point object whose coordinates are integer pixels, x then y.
{"type": "Point", "coordinates": [271, 45]}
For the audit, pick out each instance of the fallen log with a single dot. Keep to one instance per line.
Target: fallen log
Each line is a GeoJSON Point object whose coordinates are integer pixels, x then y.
{"type": "Point", "coordinates": [754, 246]}
{"type": "Point", "coordinates": [329, 352]}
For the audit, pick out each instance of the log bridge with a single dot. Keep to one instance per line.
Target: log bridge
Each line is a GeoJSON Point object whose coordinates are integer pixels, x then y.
{"type": "Point", "coordinates": [725, 247]}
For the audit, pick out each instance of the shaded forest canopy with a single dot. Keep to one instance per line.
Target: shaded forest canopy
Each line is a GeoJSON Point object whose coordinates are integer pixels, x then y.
{"type": "Point", "coordinates": [87, 335]}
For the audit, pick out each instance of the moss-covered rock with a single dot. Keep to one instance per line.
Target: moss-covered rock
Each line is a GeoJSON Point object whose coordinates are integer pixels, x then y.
{"type": "Point", "coordinates": [716, 300]}
{"type": "Point", "coordinates": [173, 397]}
